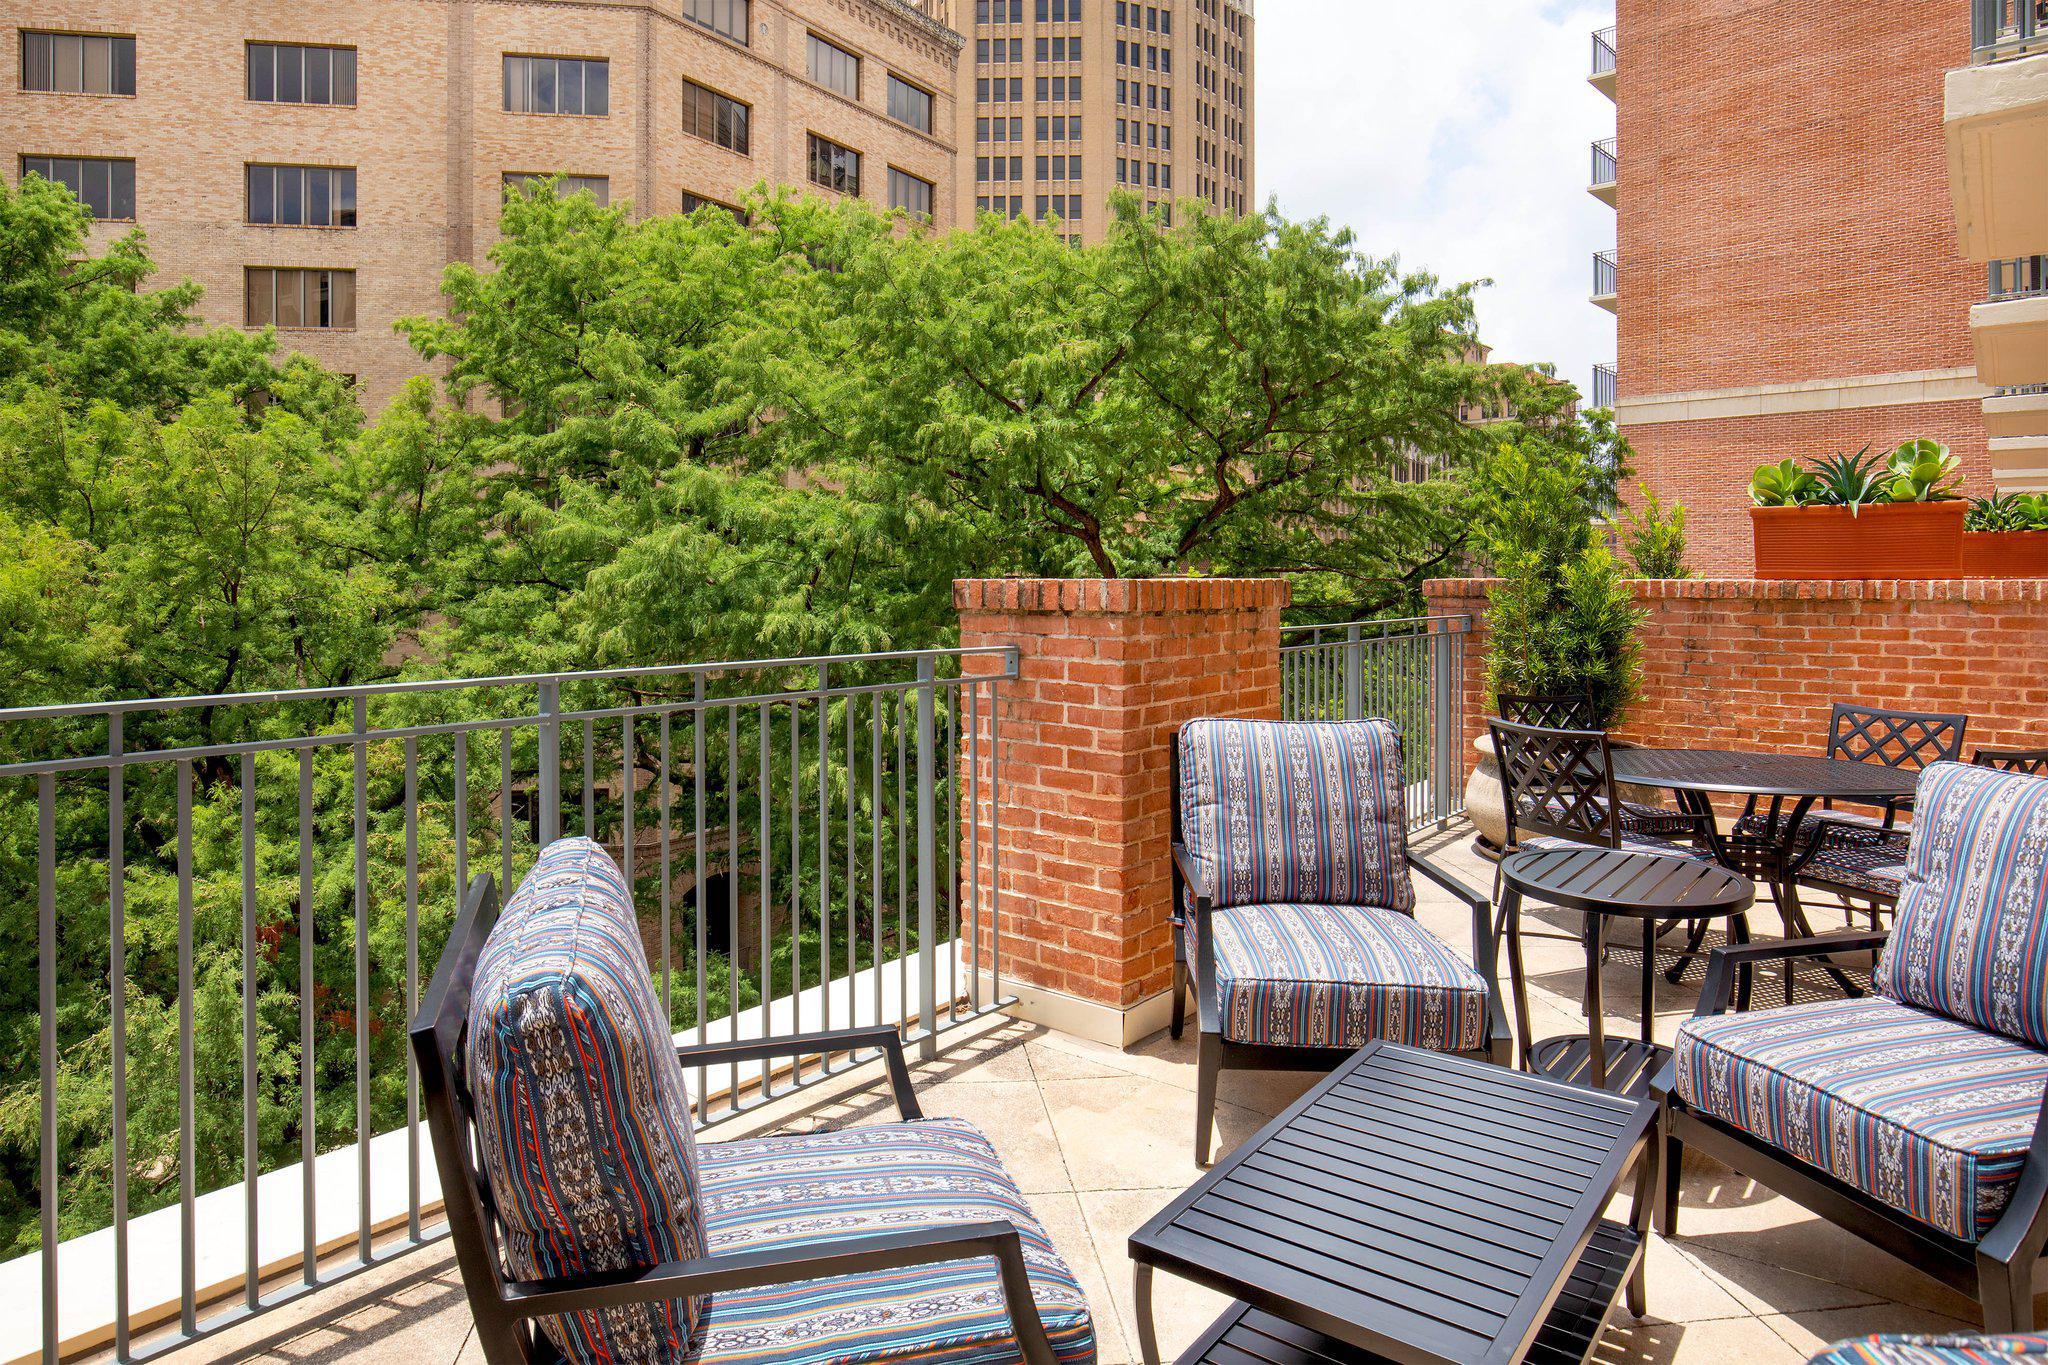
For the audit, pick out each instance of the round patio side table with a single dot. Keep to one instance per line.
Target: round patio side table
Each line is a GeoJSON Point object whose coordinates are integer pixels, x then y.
{"type": "Point", "coordinates": [1606, 883]}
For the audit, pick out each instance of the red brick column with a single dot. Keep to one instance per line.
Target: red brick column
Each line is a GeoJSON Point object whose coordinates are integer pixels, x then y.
{"type": "Point", "coordinates": [1108, 668]}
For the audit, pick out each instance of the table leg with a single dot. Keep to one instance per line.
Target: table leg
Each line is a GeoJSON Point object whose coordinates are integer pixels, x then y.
{"type": "Point", "coordinates": [1649, 980]}
{"type": "Point", "coordinates": [1596, 1026]}
{"type": "Point", "coordinates": [1511, 911]}
{"type": "Point", "coordinates": [1148, 1336]}
{"type": "Point", "coordinates": [1639, 1217]}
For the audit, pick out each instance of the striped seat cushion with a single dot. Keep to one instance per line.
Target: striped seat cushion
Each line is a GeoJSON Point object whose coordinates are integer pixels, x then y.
{"type": "Point", "coordinates": [1296, 811]}
{"type": "Point", "coordinates": [1342, 976]}
{"type": "Point", "coordinates": [1921, 1112]}
{"type": "Point", "coordinates": [1970, 938]}
{"type": "Point", "coordinates": [790, 1191]}
{"type": "Point", "coordinates": [1870, 864]}
{"type": "Point", "coordinates": [583, 1121]}
{"type": "Point", "coordinates": [1957, 1350]}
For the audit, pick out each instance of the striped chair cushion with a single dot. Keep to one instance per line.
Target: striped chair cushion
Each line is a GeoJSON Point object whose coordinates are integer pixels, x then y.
{"type": "Point", "coordinates": [1341, 976]}
{"type": "Point", "coordinates": [789, 1191]}
{"type": "Point", "coordinates": [1970, 938]}
{"type": "Point", "coordinates": [1958, 1350]}
{"type": "Point", "coordinates": [1919, 1111]}
{"type": "Point", "coordinates": [583, 1121]}
{"type": "Point", "coordinates": [1309, 811]}
{"type": "Point", "coordinates": [1868, 863]}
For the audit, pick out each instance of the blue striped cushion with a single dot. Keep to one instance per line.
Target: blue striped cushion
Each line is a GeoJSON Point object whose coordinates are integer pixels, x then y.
{"type": "Point", "coordinates": [583, 1122]}
{"type": "Point", "coordinates": [1956, 1350]}
{"type": "Point", "coordinates": [1284, 811]}
{"type": "Point", "coordinates": [1342, 976]}
{"type": "Point", "coordinates": [790, 1191]}
{"type": "Point", "coordinates": [1970, 937]}
{"type": "Point", "coordinates": [1919, 1111]}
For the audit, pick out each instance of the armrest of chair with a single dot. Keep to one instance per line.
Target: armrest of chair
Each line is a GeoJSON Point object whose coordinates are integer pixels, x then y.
{"type": "Point", "coordinates": [792, 1264]}
{"type": "Point", "coordinates": [1717, 990]}
{"type": "Point", "coordinates": [1483, 955]}
{"type": "Point", "coordinates": [882, 1037]}
{"type": "Point", "coordinates": [1847, 831]}
{"type": "Point", "coordinates": [1188, 873]}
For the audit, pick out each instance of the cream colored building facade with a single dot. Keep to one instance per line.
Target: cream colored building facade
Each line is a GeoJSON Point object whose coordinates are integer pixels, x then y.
{"type": "Point", "coordinates": [1062, 101]}
{"type": "Point", "coordinates": [319, 164]}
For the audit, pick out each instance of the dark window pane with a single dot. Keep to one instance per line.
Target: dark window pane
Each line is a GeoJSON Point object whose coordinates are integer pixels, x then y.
{"type": "Point", "coordinates": [597, 78]}
{"type": "Point", "coordinates": [345, 198]}
{"type": "Point", "coordinates": [544, 86]}
{"type": "Point", "coordinates": [344, 75]}
{"type": "Point", "coordinates": [291, 75]}
{"type": "Point", "coordinates": [124, 190]}
{"type": "Point", "coordinates": [290, 206]}
{"type": "Point", "coordinates": [124, 66]}
{"type": "Point", "coordinates": [319, 205]}
{"type": "Point", "coordinates": [262, 194]}
{"type": "Point", "coordinates": [569, 87]}
{"type": "Point", "coordinates": [262, 72]}
{"type": "Point", "coordinates": [319, 67]}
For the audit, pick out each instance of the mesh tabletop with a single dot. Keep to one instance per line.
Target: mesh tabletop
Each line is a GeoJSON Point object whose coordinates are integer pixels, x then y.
{"type": "Point", "coordinates": [1424, 1207]}
{"type": "Point", "coordinates": [1739, 772]}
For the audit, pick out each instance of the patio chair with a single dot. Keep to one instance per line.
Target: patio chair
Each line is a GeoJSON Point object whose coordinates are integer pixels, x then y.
{"type": "Point", "coordinates": [1911, 1116]}
{"type": "Point", "coordinates": [2017, 1349]}
{"type": "Point", "coordinates": [2033, 762]}
{"type": "Point", "coordinates": [1865, 734]}
{"type": "Point", "coordinates": [1295, 908]}
{"type": "Point", "coordinates": [580, 1204]}
{"type": "Point", "coordinates": [1574, 711]}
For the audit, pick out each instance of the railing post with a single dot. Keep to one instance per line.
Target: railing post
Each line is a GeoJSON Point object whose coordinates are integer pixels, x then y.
{"type": "Point", "coordinates": [1444, 698]}
{"type": "Point", "coordinates": [550, 763]}
{"type": "Point", "coordinates": [927, 860]}
{"type": "Point", "coordinates": [1354, 675]}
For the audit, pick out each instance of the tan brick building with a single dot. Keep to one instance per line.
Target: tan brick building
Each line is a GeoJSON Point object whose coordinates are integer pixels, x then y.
{"type": "Point", "coordinates": [318, 164]}
{"type": "Point", "coordinates": [1062, 101]}
{"type": "Point", "coordinates": [1787, 280]}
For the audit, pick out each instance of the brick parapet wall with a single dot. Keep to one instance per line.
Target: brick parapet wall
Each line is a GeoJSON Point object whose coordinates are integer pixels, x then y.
{"type": "Point", "coordinates": [1750, 663]}
{"type": "Point", "coordinates": [1107, 670]}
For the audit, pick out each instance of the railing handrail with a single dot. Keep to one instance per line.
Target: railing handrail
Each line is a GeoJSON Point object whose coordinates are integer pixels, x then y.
{"type": "Point", "coordinates": [2002, 29]}
{"type": "Point", "coordinates": [2007, 278]}
{"type": "Point", "coordinates": [1606, 385]}
{"type": "Point", "coordinates": [1606, 161]}
{"type": "Point", "coordinates": [1430, 625]}
{"type": "Point", "coordinates": [1606, 53]}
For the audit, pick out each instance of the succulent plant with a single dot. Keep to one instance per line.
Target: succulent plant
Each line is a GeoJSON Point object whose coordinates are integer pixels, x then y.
{"type": "Point", "coordinates": [2005, 512]}
{"type": "Point", "coordinates": [1784, 484]}
{"type": "Point", "coordinates": [1922, 471]}
{"type": "Point", "coordinates": [1851, 481]}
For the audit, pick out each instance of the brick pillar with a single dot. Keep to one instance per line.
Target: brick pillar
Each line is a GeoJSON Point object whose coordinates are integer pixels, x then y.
{"type": "Point", "coordinates": [1108, 669]}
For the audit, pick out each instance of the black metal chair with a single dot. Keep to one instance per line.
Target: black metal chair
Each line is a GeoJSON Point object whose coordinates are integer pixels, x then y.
{"type": "Point", "coordinates": [1575, 711]}
{"type": "Point", "coordinates": [1296, 962]}
{"type": "Point", "coordinates": [2033, 762]}
{"type": "Point", "coordinates": [1867, 734]}
{"type": "Point", "coordinates": [505, 1308]}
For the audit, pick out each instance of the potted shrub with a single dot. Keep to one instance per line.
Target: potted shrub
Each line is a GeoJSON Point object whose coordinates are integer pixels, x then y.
{"type": "Point", "coordinates": [2007, 537]}
{"type": "Point", "coordinates": [1860, 516]}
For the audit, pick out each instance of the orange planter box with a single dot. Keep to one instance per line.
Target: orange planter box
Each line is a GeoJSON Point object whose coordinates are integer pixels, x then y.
{"type": "Point", "coordinates": [2005, 554]}
{"type": "Point", "coordinates": [1888, 540]}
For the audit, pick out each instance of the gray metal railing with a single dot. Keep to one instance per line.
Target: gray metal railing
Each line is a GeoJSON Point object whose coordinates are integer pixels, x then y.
{"type": "Point", "coordinates": [1604, 52]}
{"type": "Point", "coordinates": [1606, 162]}
{"type": "Point", "coordinates": [1606, 386]}
{"type": "Point", "coordinates": [249, 888]}
{"type": "Point", "coordinates": [2023, 278]}
{"type": "Point", "coordinates": [1410, 672]}
{"type": "Point", "coordinates": [2002, 29]}
{"type": "Point", "coordinates": [1606, 274]}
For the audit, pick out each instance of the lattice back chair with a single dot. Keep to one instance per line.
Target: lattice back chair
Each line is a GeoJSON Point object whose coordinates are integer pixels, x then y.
{"type": "Point", "coordinates": [1897, 739]}
{"type": "Point", "coordinates": [1563, 711]}
{"type": "Point", "coordinates": [1556, 784]}
{"type": "Point", "coordinates": [2031, 762]}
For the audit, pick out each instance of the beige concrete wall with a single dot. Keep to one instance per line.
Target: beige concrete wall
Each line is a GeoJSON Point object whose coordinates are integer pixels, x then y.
{"type": "Point", "coordinates": [431, 142]}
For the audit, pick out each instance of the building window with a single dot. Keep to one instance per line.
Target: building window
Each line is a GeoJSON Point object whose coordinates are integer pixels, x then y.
{"type": "Point", "coordinates": [908, 104]}
{"type": "Point", "coordinates": [290, 73]}
{"type": "Point", "coordinates": [906, 191]}
{"type": "Point", "coordinates": [713, 117]}
{"type": "Point", "coordinates": [302, 196]}
{"type": "Point", "coordinates": [835, 68]}
{"type": "Point", "coordinates": [77, 63]}
{"type": "Point", "coordinates": [557, 85]}
{"type": "Point", "coordinates": [300, 298]}
{"type": "Point", "coordinates": [833, 166]}
{"type": "Point", "coordinates": [727, 18]}
{"type": "Point", "coordinates": [693, 202]}
{"type": "Point", "coordinates": [105, 185]}
{"type": "Point", "coordinates": [598, 187]}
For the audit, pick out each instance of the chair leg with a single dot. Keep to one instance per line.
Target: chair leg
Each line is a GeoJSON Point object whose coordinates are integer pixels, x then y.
{"type": "Point", "coordinates": [1667, 1207]}
{"type": "Point", "coordinates": [1180, 999]}
{"type": "Point", "coordinates": [2007, 1293]}
{"type": "Point", "coordinates": [1208, 1063]}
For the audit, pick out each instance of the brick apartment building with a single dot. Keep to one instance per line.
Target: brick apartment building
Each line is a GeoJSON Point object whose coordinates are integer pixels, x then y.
{"type": "Point", "coordinates": [1063, 101]}
{"type": "Point", "coordinates": [1787, 279]}
{"type": "Point", "coordinates": [317, 165]}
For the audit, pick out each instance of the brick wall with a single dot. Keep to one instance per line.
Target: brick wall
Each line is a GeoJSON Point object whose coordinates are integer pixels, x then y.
{"type": "Point", "coordinates": [1744, 663]}
{"type": "Point", "coordinates": [1108, 670]}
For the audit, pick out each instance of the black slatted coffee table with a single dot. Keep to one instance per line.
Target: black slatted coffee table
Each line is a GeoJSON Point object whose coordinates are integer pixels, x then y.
{"type": "Point", "coordinates": [1414, 1208]}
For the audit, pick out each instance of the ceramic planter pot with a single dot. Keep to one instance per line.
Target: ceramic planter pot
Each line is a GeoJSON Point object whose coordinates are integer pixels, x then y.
{"type": "Point", "coordinates": [1485, 805]}
{"type": "Point", "coordinates": [2005, 554]}
{"type": "Point", "coordinates": [1888, 540]}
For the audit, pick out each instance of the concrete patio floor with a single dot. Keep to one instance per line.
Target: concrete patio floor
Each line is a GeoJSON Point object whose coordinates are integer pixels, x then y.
{"type": "Point", "coordinates": [1101, 1139]}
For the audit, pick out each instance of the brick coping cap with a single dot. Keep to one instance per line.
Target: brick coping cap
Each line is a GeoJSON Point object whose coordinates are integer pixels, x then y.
{"type": "Point", "coordinates": [1118, 596]}
{"type": "Point", "coordinates": [1789, 590]}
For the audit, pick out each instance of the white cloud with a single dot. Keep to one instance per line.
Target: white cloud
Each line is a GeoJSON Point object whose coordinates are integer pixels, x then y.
{"type": "Point", "coordinates": [1457, 138]}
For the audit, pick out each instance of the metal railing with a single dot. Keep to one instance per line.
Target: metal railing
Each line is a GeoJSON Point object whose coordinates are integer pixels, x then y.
{"type": "Point", "coordinates": [235, 898]}
{"type": "Point", "coordinates": [1606, 274]}
{"type": "Point", "coordinates": [2023, 278]}
{"type": "Point", "coordinates": [1410, 672]}
{"type": "Point", "coordinates": [1606, 164]}
{"type": "Point", "coordinates": [1604, 52]}
{"type": "Point", "coordinates": [1606, 386]}
{"type": "Point", "coordinates": [2002, 29]}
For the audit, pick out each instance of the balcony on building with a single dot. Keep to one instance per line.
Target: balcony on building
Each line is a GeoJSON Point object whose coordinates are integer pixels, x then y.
{"type": "Point", "coordinates": [1996, 123]}
{"type": "Point", "coordinates": [1605, 185]}
{"type": "Point", "coordinates": [1606, 281]}
{"type": "Point", "coordinates": [1604, 62]}
{"type": "Point", "coordinates": [1605, 382]}
{"type": "Point", "coordinates": [2010, 329]}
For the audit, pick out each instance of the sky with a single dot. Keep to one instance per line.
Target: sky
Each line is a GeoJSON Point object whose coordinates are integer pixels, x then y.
{"type": "Point", "coordinates": [1456, 137]}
